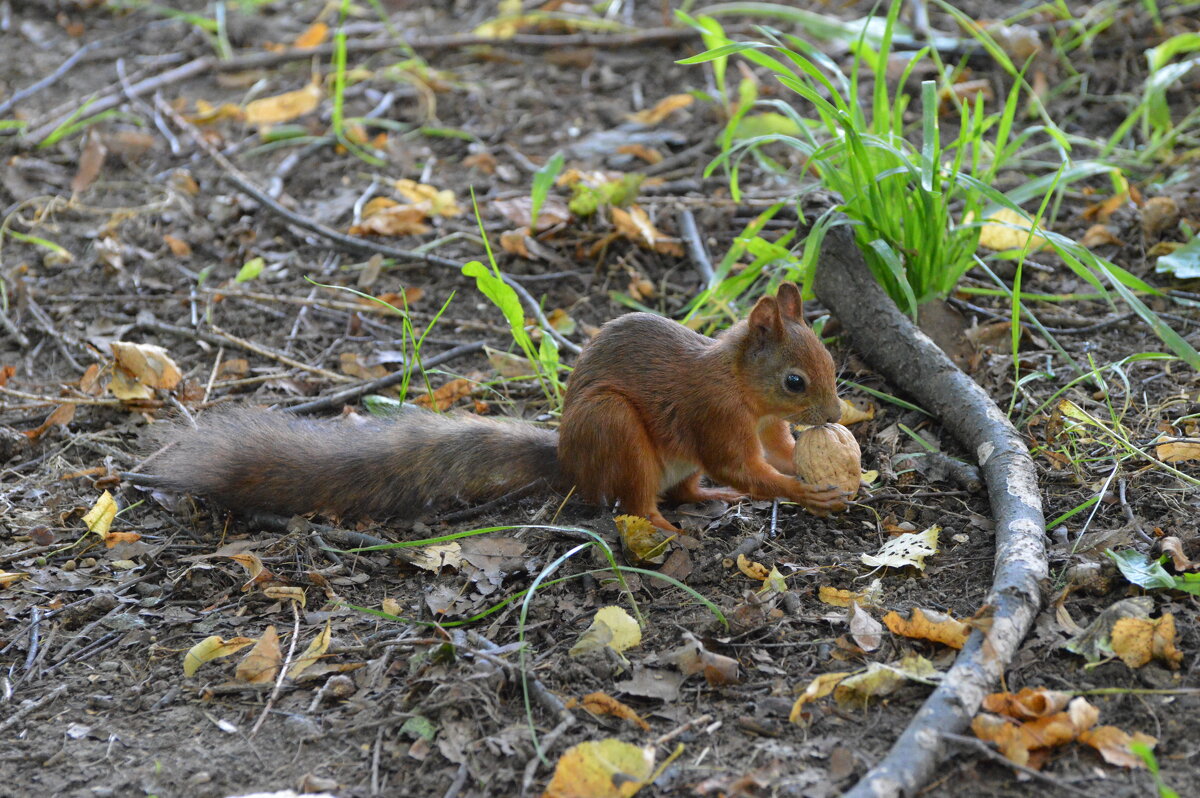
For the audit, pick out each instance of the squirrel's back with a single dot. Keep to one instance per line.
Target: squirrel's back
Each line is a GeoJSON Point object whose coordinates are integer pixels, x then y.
{"type": "Point", "coordinates": [251, 459]}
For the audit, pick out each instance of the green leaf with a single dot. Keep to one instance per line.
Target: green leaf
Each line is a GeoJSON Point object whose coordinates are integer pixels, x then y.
{"type": "Point", "coordinates": [494, 288]}
{"type": "Point", "coordinates": [543, 179]}
{"type": "Point", "coordinates": [1183, 263]}
{"type": "Point", "coordinates": [250, 269]}
{"type": "Point", "coordinates": [1144, 572]}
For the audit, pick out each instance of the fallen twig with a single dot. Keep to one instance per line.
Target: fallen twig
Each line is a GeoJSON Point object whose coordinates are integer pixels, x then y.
{"type": "Point", "coordinates": [891, 344]}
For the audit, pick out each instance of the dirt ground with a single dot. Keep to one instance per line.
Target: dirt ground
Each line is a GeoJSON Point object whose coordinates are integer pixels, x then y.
{"type": "Point", "coordinates": [144, 247]}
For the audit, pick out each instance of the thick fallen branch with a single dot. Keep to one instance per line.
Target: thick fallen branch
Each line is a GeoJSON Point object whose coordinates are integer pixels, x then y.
{"type": "Point", "coordinates": [895, 348]}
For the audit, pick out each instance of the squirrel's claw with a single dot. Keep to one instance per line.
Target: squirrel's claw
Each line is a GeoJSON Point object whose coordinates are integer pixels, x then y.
{"type": "Point", "coordinates": [825, 500]}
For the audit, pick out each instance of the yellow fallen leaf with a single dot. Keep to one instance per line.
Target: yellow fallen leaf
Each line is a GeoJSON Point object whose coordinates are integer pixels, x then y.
{"type": "Point", "coordinates": [852, 413]}
{"type": "Point", "coordinates": [611, 626]}
{"type": "Point", "coordinates": [207, 113]}
{"type": "Point", "coordinates": [934, 626]}
{"type": "Point", "coordinates": [1138, 640]}
{"type": "Point", "coordinates": [754, 570]}
{"type": "Point", "coordinates": [211, 648]}
{"type": "Point", "coordinates": [316, 649]}
{"type": "Point", "coordinates": [819, 687]}
{"type": "Point", "coordinates": [664, 108]}
{"type": "Point", "coordinates": [284, 107]}
{"type": "Point", "coordinates": [998, 232]}
{"type": "Point", "coordinates": [393, 220]}
{"type": "Point", "coordinates": [870, 596]}
{"type": "Point", "coordinates": [880, 679]}
{"type": "Point", "coordinates": [262, 662]}
{"type": "Point", "coordinates": [440, 202]}
{"type": "Point", "coordinates": [99, 519]}
{"type": "Point", "coordinates": [114, 538]}
{"type": "Point", "coordinates": [601, 769]}
{"type": "Point", "coordinates": [642, 543]}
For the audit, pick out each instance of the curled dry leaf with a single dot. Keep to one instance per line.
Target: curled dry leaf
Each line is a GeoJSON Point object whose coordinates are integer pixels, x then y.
{"type": "Point", "coordinates": [880, 680]}
{"type": "Point", "coordinates": [934, 626]}
{"type": "Point", "coordinates": [316, 649]}
{"type": "Point", "coordinates": [636, 226]}
{"type": "Point", "coordinates": [819, 687]}
{"type": "Point", "coordinates": [1099, 235]}
{"type": "Point", "coordinates": [1174, 547]}
{"type": "Point", "coordinates": [313, 35]}
{"type": "Point", "coordinates": [434, 557]}
{"type": "Point", "coordinates": [211, 648]}
{"type": "Point", "coordinates": [692, 657]}
{"type": "Point", "coordinates": [392, 220]}
{"type": "Point", "coordinates": [286, 593]}
{"type": "Point", "coordinates": [99, 519]}
{"type": "Point", "coordinates": [8, 578]}
{"type": "Point", "coordinates": [1176, 451]}
{"type": "Point", "coordinates": [870, 596]}
{"type": "Point", "coordinates": [1029, 703]}
{"type": "Point", "coordinates": [446, 395]}
{"type": "Point", "coordinates": [435, 201]}
{"type": "Point", "coordinates": [144, 365]}
{"type": "Point", "coordinates": [604, 704]}
{"type": "Point", "coordinates": [853, 414]}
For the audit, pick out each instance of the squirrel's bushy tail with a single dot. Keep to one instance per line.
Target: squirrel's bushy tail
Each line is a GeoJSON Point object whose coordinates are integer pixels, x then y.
{"type": "Point", "coordinates": [248, 459]}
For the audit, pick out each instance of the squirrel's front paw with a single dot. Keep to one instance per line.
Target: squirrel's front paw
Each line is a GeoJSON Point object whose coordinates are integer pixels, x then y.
{"type": "Point", "coordinates": [822, 501]}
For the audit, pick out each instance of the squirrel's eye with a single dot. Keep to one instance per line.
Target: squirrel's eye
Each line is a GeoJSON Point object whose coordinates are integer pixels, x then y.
{"type": "Point", "coordinates": [794, 383]}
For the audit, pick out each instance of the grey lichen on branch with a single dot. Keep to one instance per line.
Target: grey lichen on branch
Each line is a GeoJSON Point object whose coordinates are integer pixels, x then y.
{"type": "Point", "coordinates": [911, 362]}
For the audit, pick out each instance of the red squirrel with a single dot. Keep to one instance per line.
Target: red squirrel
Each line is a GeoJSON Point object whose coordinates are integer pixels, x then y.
{"type": "Point", "coordinates": [650, 407]}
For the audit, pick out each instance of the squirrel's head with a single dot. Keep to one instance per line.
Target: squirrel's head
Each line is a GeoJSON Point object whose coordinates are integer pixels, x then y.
{"type": "Point", "coordinates": [786, 365]}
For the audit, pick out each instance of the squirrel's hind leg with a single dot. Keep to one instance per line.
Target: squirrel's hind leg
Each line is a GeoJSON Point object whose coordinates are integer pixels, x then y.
{"type": "Point", "coordinates": [606, 449]}
{"type": "Point", "coordinates": [689, 490]}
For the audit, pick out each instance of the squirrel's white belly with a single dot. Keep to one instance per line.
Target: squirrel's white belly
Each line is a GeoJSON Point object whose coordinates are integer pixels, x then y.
{"type": "Point", "coordinates": [676, 471]}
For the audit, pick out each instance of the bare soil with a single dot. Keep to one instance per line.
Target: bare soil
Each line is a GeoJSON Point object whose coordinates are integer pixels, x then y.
{"type": "Point", "coordinates": [92, 642]}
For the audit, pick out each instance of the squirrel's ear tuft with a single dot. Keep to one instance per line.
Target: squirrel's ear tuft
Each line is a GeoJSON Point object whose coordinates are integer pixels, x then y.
{"type": "Point", "coordinates": [765, 316]}
{"type": "Point", "coordinates": [791, 305]}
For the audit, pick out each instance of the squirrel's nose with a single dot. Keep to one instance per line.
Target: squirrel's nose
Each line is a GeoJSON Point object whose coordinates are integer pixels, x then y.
{"type": "Point", "coordinates": [833, 411]}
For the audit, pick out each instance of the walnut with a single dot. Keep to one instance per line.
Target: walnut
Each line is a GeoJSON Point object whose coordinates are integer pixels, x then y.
{"type": "Point", "coordinates": [829, 455]}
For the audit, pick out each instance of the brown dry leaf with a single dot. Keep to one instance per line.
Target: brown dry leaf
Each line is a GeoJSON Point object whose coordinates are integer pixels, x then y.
{"type": "Point", "coordinates": [819, 687]}
{"type": "Point", "coordinates": [601, 769]}
{"type": "Point", "coordinates": [145, 364]}
{"type": "Point", "coordinates": [312, 36]}
{"type": "Point", "coordinates": [286, 593]}
{"type": "Point", "coordinates": [647, 154]}
{"type": "Point", "coordinates": [483, 161]}
{"type": "Point", "coordinates": [91, 161]}
{"type": "Point", "coordinates": [235, 368]}
{"type": "Point", "coordinates": [640, 289]}
{"type": "Point", "coordinates": [1138, 640]}
{"type": "Point", "coordinates": [1174, 546]}
{"type": "Point", "coordinates": [693, 657]}
{"type": "Point", "coordinates": [514, 242]}
{"type": "Point", "coordinates": [211, 648]}
{"type": "Point", "coordinates": [604, 704]}
{"type": "Point", "coordinates": [865, 630]}
{"type": "Point", "coordinates": [261, 665]}
{"type": "Point", "coordinates": [635, 225]}
{"type": "Point", "coordinates": [1113, 745]}
{"type": "Point", "coordinates": [254, 569]}
{"type": "Point", "coordinates": [59, 416]}
{"type": "Point", "coordinates": [434, 557]}
{"type": "Point", "coordinates": [966, 91]}
{"type": "Point", "coordinates": [352, 365]}
{"type": "Point", "coordinates": [1029, 703]}
{"type": "Point", "coordinates": [664, 108]}
{"type": "Point", "coordinates": [1103, 211]}
{"type": "Point", "coordinates": [1099, 235]}
{"type": "Point", "coordinates": [754, 570]}
{"type": "Point", "coordinates": [438, 202]}
{"type": "Point", "coordinates": [1159, 214]}
{"type": "Point", "coordinates": [178, 246]}
{"type": "Point", "coordinates": [1177, 451]}
{"type": "Point", "coordinates": [446, 395]}
{"type": "Point", "coordinates": [391, 220]}
{"type": "Point", "coordinates": [507, 364]}
{"type": "Point", "coordinates": [284, 107]}
{"type": "Point", "coordinates": [316, 649]}
{"type": "Point", "coordinates": [935, 626]}
{"type": "Point", "coordinates": [518, 211]}
{"type": "Point", "coordinates": [114, 538]}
